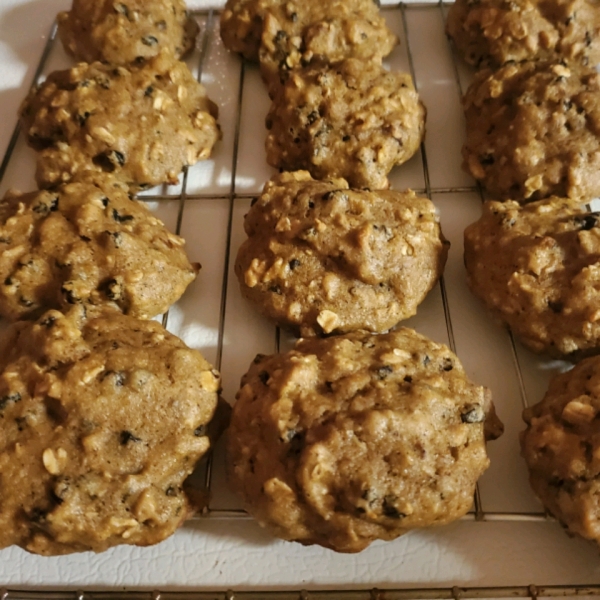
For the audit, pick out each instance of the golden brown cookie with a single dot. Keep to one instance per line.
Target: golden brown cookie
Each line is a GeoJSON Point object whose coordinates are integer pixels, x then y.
{"type": "Point", "coordinates": [353, 120]}
{"type": "Point", "coordinates": [322, 258]}
{"type": "Point", "coordinates": [537, 267]}
{"type": "Point", "coordinates": [533, 130]}
{"type": "Point", "coordinates": [561, 446]}
{"type": "Point", "coordinates": [142, 124]}
{"type": "Point", "coordinates": [353, 438]}
{"type": "Point", "coordinates": [89, 243]}
{"type": "Point", "coordinates": [122, 32]}
{"type": "Point", "coordinates": [102, 421]}
{"type": "Point", "coordinates": [494, 32]}
{"type": "Point", "coordinates": [285, 35]}
{"type": "Point", "coordinates": [296, 34]}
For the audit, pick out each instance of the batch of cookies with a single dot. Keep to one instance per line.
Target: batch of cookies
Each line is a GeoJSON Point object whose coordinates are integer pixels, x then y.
{"type": "Point", "coordinates": [363, 431]}
{"type": "Point", "coordinates": [533, 143]}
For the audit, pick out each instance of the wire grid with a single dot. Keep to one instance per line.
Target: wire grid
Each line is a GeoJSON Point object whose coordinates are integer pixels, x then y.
{"type": "Point", "coordinates": [532, 592]}
{"type": "Point", "coordinates": [210, 30]}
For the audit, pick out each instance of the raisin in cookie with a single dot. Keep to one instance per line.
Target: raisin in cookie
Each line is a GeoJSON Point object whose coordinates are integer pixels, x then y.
{"type": "Point", "coordinates": [353, 120]}
{"type": "Point", "coordinates": [121, 32]}
{"type": "Point", "coordinates": [353, 438]}
{"type": "Point", "coordinates": [561, 446]}
{"type": "Point", "coordinates": [143, 123]}
{"type": "Point", "coordinates": [537, 267]}
{"type": "Point", "coordinates": [296, 34]}
{"type": "Point", "coordinates": [87, 242]}
{"type": "Point", "coordinates": [533, 130]}
{"type": "Point", "coordinates": [494, 32]}
{"type": "Point", "coordinates": [321, 258]}
{"type": "Point", "coordinates": [102, 421]}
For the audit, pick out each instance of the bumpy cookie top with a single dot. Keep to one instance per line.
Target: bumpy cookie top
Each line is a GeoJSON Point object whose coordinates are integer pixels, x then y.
{"type": "Point", "coordinates": [562, 448]}
{"type": "Point", "coordinates": [493, 32]}
{"type": "Point", "coordinates": [284, 33]}
{"type": "Point", "coordinates": [321, 258]}
{"type": "Point", "coordinates": [143, 123]}
{"type": "Point", "coordinates": [353, 120]}
{"type": "Point", "coordinates": [358, 437]}
{"type": "Point", "coordinates": [537, 267]}
{"type": "Point", "coordinates": [121, 32]}
{"type": "Point", "coordinates": [102, 421]}
{"type": "Point", "coordinates": [533, 130]}
{"type": "Point", "coordinates": [298, 33]}
{"type": "Point", "coordinates": [88, 243]}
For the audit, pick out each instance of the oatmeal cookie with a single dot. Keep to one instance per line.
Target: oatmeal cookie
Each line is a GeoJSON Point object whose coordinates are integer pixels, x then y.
{"type": "Point", "coordinates": [122, 32]}
{"type": "Point", "coordinates": [353, 438]}
{"type": "Point", "coordinates": [561, 446]}
{"type": "Point", "coordinates": [321, 258]}
{"type": "Point", "coordinates": [537, 267]}
{"type": "Point", "coordinates": [143, 123]}
{"type": "Point", "coordinates": [533, 130]}
{"type": "Point", "coordinates": [353, 120]}
{"type": "Point", "coordinates": [88, 243]}
{"type": "Point", "coordinates": [102, 421]}
{"type": "Point", "coordinates": [283, 35]}
{"type": "Point", "coordinates": [494, 32]}
{"type": "Point", "coordinates": [295, 34]}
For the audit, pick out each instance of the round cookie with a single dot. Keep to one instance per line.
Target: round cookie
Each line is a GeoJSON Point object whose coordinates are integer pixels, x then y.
{"type": "Point", "coordinates": [295, 34]}
{"type": "Point", "coordinates": [561, 446]}
{"type": "Point", "coordinates": [353, 438]}
{"type": "Point", "coordinates": [494, 32]}
{"type": "Point", "coordinates": [283, 34]}
{"type": "Point", "coordinates": [102, 421]}
{"type": "Point", "coordinates": [533, 130]}
{"type": "Point", "coordinates": [321, 258]}
{"type": "Point", "coordinates": [353, 120]}
{"type": "Point", "coordinates": [142, 124]}
{"type": "Point", "coordinates": [121, 32]}
{"type": "Point", "coordinates": [87, 242]}
{"type": "Point", "coordinates": [537, 267]}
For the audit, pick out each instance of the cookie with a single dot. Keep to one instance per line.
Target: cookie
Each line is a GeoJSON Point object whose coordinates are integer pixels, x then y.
{"type": "Point", "coordinates": [296, 34]}
{"type": "Point", "coordinates": [122, 32]}
{"type": "Point", "coordinates": [537, 268]}
{"type": "Point", "coordinates": [353, 120]}
{"type": "Point", "coordinates": [102, 421]}
{"type": "Point", "coordinates": [142, 124]}
{"type": "Point", "coordinates": [353, 438]}
{"type": "Point", "coordinates": [533, 130]}
{"type": "Point", "coordinates": [322, 258]}
{"type": "Point", "coordinates": [87, 243]}
{"type": "Point", "coordinates": [561, 447]}
{"type": "Point", "coordinates": [283, 35]}
{"type": "Point", "coordinates": [494, 32]}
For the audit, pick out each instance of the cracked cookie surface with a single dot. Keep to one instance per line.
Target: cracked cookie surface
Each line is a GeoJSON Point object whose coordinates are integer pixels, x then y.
{"type": "Point", "coordinates": [322, 258]}
{"type": "Point", "coordinates": [142, 124]}
{"type": "Point", "coordinates": [353, 120]}
{"type": "Point", "coordinates": [89, 243]}
{"type": "Point", "coordinates": [353, 438]}
{"type": "Point", "coordinates": [533, 130]}
{"type": "Point", "coordinates": [102, 421]}
{"type": "Point", "coordinates": [561, 446]}
{"type": "Point", "coordinates": [122, 32]}
{"type": "Point", "coordinates": [494, 32]}
{"type": "Point", "coordinates": [537, 268]}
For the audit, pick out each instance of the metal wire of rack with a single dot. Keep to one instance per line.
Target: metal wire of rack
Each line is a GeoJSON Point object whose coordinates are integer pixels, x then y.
{"type": "Point", "coordinates": [532, 592]}
{"type": "Point", "coordinates": [231, 197]}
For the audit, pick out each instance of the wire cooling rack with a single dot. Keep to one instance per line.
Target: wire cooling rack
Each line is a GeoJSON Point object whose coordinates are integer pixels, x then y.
{"type": "Point", "coordinates": [207, 208]}
{"type": "Point", "coordinates": [455, 593]}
